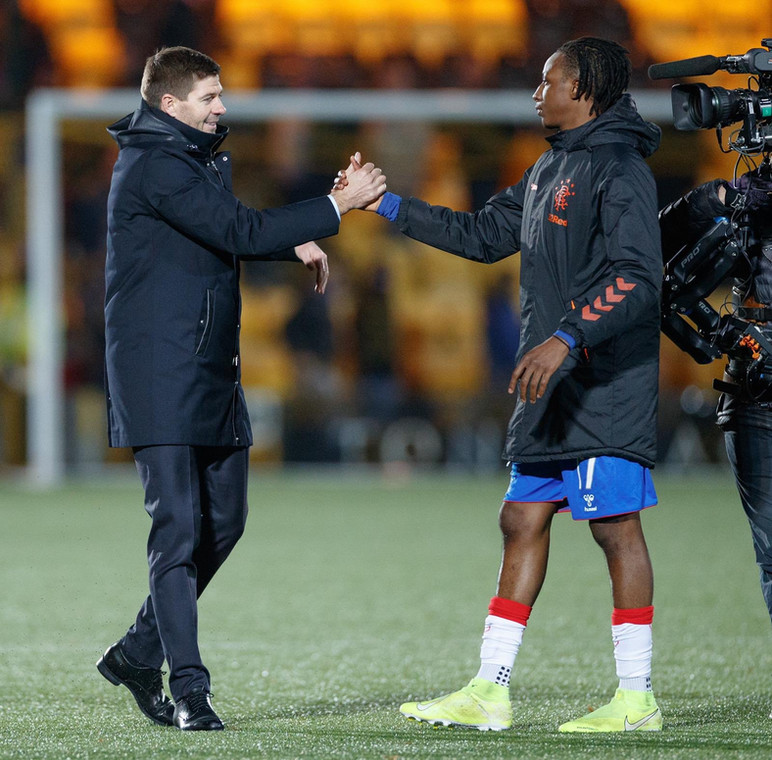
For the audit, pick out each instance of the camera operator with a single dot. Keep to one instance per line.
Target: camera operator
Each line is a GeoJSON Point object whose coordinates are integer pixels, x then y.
{"type": "Point", "coordinates": [745, 405]}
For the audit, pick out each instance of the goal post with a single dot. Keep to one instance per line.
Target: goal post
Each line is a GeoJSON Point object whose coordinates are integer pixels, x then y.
{"type": "Point", "coordinates": [47, 108]}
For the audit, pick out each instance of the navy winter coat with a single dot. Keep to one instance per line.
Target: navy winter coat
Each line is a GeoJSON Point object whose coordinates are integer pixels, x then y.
{"type": "Point", "coordinates": [176, 233]}
{"type": "Point", "coordinates": [585, 220]}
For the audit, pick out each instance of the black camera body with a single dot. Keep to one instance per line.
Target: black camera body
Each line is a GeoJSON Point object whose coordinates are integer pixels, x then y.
{"type": "Point", "coordinates": [699, 106]}
{"type": "Point", "coordinates": [726, 249]}
{"type": "Point", "coordinates": [690, 277]}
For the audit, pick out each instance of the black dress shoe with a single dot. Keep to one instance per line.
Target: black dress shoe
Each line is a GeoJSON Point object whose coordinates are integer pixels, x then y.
{"type": "Point", "coordinates": [194, 713]}
{"type": "Point", "coordinates": [145, 684]}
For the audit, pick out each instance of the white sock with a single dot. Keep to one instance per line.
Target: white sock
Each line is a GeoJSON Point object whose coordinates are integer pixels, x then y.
{"type": "Point", "coordinates": [500, 642]}
{"type": "Point", "coordinates": [632, 652]}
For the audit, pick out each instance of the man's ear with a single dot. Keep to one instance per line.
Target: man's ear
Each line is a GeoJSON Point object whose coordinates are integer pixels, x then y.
{"type": "Point", "coordinates": [169, 104]}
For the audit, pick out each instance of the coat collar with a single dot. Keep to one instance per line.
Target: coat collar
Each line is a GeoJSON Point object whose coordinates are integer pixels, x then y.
{"type": "Point", "coordinates": [148, 126]}
{"type": "Point", "coordinates": [621, 123]}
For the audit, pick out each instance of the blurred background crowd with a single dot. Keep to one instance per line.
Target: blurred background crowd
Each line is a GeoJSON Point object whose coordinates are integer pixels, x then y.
{"type": "Point", "coordinates": [408, 357]}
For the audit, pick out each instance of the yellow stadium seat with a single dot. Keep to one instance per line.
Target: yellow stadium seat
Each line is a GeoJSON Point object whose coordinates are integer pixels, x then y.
{"type": "Point", "coordinates": [316, 27]}
{"type": "Point", "coordinates": [371, 29]}
{"type": "Point", "coordinates": [493, 29]}
{"type": "Point", "coordinates": [430, 27]}
{"type": "Point", "coordinates": [735, 27]}
{"type": "Point", "coordinates": [252, 28]}
{"type": "Point", "coordinates": [266, 359]}
{"type": "Point", "coordinates": [668, 29]}
{"type": "Point", "coordinates": [441, 332]}
{"type": "Point", "coordinates": [49, 13]}
{"type": "Point", "coordinates": [674, 30]}
{"type": "Point", "coordinates": [85, 45]}
{"type": "Point", "coordinates": [90, 57]}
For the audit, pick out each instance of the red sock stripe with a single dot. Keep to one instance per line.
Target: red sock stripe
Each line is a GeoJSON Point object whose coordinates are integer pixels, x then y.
{"type": "Point", "coordinates": [635, 615]}
{"type": "Point", "coordinates": [509, 610]}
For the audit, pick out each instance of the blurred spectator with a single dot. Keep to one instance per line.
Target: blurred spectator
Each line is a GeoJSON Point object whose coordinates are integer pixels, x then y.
{"type": "Point", "coordinates": [552, 22]}
{"type": "Point", "coordinates": [25, 60]}
{"type": "Point", "coordinates": [320, 72]}
{"type": "Point", "coordinates": [378, 393]}
{"type": "Point", "coordinates": [13, 353]}
{"type": "Point", "coordinates": [88, 184]}
{"type": "Point", "coordinates": [309, 330]}
{"type": "Point", "coordinates": [502, 330]}
{"type": "Point", "coordinates": [88, 172]}
{"type": "Point", "coordinates": [318, 390]}
{"type": "Point", "coordinates": [147, 25]}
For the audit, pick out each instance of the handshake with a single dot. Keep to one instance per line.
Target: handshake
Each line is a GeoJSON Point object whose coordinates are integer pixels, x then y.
{"type": "Point", "coordinates": [359, 186]}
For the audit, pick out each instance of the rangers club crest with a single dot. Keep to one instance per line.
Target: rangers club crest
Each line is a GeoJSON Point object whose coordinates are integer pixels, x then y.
{"type": "Point", "coordinates": [563, 192]}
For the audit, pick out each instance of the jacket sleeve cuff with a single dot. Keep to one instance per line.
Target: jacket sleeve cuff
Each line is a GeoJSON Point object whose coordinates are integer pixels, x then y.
{"type": "Point", "coordinates": [389, 206]}
{"type": "Point", "coordinates": [334, 205]}
{"type": "Point", "coordinates": [568, 339]}
{"type": "Point", "coordinates": [570, 334]}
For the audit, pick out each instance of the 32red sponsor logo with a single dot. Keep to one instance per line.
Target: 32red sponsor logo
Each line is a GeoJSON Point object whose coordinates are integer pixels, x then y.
{"type": "Point", "coordinates": [557, 220]}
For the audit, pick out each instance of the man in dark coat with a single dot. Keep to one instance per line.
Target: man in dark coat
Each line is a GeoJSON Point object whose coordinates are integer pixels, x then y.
{"type": "Point", "coordinates": [582, 436]}
{"type": "Point", "coordinates": [176, 234]}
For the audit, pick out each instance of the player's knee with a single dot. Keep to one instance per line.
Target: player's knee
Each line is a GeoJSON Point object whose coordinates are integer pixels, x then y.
{"type": "Point", "coordinates": [606, 541]}
{"type": "Point", "coordinates": [618, 534]}
{"type": "Point", "coordinates": [517, 520]}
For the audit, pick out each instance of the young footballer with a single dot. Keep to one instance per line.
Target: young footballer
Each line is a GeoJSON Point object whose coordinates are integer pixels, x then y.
{"type": "Point", "coordinates": [583, 434]}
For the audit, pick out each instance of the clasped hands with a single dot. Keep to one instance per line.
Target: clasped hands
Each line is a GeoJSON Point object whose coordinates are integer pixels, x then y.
{"type": "Point", "coordinates": [359, 186]}
{"type": "Point", "coordinates": [356, 187]}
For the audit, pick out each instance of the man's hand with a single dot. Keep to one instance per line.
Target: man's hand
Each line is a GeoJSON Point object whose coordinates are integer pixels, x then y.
{"type": "Point", "coordinates": [315, 259]}
{"type": "Point", "coordinates": [359, 186]}
{"type": "Point", "coordinates": [537, 367]}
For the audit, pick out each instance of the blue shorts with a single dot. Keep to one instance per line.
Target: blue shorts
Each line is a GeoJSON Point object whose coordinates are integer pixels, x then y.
{"type": "Point", "coordinates": [593, 488]}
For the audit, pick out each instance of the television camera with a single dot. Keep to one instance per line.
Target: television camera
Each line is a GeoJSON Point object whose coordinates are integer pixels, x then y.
{"type": "Point", "coordinates": [726, 250]}
{"type": "Point", "coordinates": [698, 106]}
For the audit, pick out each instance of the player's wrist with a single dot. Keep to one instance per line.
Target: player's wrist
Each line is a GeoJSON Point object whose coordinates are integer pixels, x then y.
{"type": "Point", "coordinates": [341, 201]}
{"type": "Point", "coordinates": [388, 206]}
{"type": "Point", "coordinates": [565, 338]}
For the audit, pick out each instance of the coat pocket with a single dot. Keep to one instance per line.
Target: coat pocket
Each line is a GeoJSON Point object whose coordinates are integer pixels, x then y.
{"type": "Point", "coordinates": [205, 323]}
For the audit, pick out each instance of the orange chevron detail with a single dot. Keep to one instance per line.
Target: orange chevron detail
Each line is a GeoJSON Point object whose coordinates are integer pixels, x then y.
{"type": "Point", "coordinates": [622, 285]}
{"type": "Point", "coordinates": [588, 315]}
{"type": "Point", "coordinates": [611, 296]}
{"type": "Point", "coordinates": [598, 304]}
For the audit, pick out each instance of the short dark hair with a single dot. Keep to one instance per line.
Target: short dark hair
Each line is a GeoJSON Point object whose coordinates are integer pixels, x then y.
{"type": "Point", "coordinates": [602, 67]}
{"type": "Point", "coordinates": [175, 70]}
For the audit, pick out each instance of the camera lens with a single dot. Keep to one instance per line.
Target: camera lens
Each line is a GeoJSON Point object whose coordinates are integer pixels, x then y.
{"type": "Point", "coordinates": [697, 106]}
{"type": "Point", "coordinates": [727, 106]}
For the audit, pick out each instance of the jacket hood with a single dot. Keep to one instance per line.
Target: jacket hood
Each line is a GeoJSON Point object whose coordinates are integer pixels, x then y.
{"type": "Point", "coordinates": [619, 124]}
{"type": "Point", "coordinates": [150, 126]}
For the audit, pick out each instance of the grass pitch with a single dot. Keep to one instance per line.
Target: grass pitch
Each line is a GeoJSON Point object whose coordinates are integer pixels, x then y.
{"type": "Point", "coordinates": [351, 594]}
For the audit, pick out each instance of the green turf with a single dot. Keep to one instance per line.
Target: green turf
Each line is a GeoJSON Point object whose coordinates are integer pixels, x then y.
{"type": "Point", "coordinates": [349, 595]}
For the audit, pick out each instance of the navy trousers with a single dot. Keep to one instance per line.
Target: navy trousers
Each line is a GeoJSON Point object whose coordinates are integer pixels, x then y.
{"type": "Point", "coordinates": [748, 438]}
{"type": "Point", "coordinates": [197, 499]}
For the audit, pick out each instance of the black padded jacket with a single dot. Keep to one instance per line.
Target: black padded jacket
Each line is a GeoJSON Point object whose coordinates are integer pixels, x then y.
{"type": "Point", "coordinates": [176, 237]}
{"type": "Point", "coordinates": [584, 218]}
